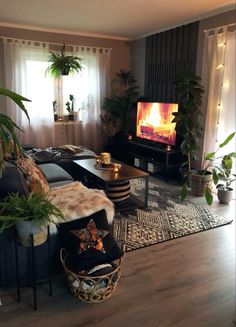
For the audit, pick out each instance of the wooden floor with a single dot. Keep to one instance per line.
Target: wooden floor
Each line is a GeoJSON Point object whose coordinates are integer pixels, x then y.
{"type": "Point", "coordinates": [185, 282]}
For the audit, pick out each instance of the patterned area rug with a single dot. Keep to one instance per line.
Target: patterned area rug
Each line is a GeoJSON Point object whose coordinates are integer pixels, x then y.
{"type": "Point", "coordinates": [166, 218]}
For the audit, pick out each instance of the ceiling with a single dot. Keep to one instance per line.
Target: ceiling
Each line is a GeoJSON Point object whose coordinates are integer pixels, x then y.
{"type": "Point", "coordinates": [128, 20]}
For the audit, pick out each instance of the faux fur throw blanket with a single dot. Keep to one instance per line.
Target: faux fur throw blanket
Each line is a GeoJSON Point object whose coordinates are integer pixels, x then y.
{"type": "Point", "coordinates": [76, 201]}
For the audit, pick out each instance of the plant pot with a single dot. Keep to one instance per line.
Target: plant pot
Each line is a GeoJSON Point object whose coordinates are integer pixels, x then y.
{"type": "Point", "coordinates": [225, 195]}
{"type": "Point", "coordinates": [65, 71]}
{"type": "Point", "coordinates": [26, 228]}
{"type": "Point", "coordinates": [198, 182]}
{"type": "Point", "coordinates": [71, 116]}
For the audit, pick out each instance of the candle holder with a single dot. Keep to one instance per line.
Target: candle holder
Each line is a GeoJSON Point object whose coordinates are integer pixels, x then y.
{"type": "Point", "coordinates": [116, 167]}
{"type": "Point", "coordinates": [97, 160]}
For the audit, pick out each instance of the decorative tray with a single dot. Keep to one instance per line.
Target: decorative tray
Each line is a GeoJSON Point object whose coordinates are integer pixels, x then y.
{"type": "Point", "coordinates": [109, 166]}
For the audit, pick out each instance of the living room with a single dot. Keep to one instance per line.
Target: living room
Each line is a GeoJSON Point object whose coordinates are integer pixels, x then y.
{"type": "Point", "coordinates": [187, 281]}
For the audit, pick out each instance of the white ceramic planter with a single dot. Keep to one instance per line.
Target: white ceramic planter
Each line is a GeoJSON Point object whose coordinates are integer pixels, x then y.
{"type": "Point", "coordinates": [25, 229]}
{"type": "Point", "coordinates": [225, 196]}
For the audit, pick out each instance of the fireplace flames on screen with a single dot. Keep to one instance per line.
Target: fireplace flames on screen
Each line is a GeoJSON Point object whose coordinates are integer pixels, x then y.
{"type": "Point", "coordinates": [154, 122]}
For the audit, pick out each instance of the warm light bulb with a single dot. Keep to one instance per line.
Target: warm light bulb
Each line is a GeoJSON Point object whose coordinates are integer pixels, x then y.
{"type": "Point", "coordinates": [225, 85]}
{"type": "Point", "coordinates": [221, 44]}
{"type": "Point", "coordinates": [219, 66]}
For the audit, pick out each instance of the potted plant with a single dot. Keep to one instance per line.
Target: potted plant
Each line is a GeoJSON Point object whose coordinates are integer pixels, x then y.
{"type": "Point", "coordinates": [62, 64]}
{"type": "Point", "coordinates": [118, 107]}
{"type": "Point", "coordinates": [8, 139]}
{"type": "Point", "coordinates": [30, 214]}
{"type": "Point", "coordinates": [223, 178]}
{"type": "Point", "coordinates": [70, 107]}
{"type": "Point", "coordinates": [54, 105]}
{"type": "Point", "coordinates": [188, 126]}
{"type": "Point", "coordinates": [211, 167]}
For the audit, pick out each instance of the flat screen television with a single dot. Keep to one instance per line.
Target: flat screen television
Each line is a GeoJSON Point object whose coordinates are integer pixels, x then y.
{"type": "Point", "coordinates": [154, 122]}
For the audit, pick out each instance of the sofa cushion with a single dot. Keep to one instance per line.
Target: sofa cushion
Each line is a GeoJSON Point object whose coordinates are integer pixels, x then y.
{"type": "Point", "coordinates": [55, 173]}
{"type": "Point", "coordinates": [12, 181]}
{"type": "Point", "coordinates": [36, 179]}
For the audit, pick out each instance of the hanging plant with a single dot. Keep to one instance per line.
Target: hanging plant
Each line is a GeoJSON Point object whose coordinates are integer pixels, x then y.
{"type": "Point", "coordinates": [63, 65]}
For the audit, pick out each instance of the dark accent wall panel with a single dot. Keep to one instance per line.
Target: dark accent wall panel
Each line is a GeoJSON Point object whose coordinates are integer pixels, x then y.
{"type": "Point", "coordinates": [167, 54]}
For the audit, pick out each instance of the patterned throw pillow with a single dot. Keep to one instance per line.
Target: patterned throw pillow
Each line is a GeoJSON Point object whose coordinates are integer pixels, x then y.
{"type": "Point", "coordinates": [35, 178]}
{"type": "Point", "coordinates": [90, 237]}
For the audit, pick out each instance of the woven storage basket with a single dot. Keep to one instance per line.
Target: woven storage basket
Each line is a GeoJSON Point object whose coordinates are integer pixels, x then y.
{"type": "Point", "coordinates": [198, 183]}
{"type": "Point", "coordinates": [90, 289]}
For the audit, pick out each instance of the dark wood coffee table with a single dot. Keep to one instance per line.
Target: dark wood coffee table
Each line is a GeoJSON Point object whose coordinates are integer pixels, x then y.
{"type": "Point", "coordinates": [125, 173]}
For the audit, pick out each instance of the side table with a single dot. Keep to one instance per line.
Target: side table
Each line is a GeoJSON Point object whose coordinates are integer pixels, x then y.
{"type": "Point", "coordinates": [32, 269]}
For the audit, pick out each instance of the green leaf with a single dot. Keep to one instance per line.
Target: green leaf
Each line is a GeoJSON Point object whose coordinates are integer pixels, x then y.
{"type": "Point", "coordinates": [209, 156]}
{"type": "Point", "coordinates": [215, 176]}
{"type": "Point", "coordinates": [226, 141]}
{"type": "Point", "coordinates": [184, 191]}
{"type": "Point", "coordinates": [208, 196]}
{"type": "Point", "coordinates": [17, 98]}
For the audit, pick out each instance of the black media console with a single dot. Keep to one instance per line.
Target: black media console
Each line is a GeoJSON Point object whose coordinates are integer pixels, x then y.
{"type": "Point", "coordinates": [151, 157]}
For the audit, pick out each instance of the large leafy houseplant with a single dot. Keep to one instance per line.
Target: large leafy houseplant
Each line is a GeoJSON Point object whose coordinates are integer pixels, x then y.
{"type": "Point", "coordinates": [188, 126]}
{"type": "Point", "coordinates": [8, 138]}
{"type": "Point", "coordinates": [118, 107]}
{"type": "Point", "coordinates": [62, 64]}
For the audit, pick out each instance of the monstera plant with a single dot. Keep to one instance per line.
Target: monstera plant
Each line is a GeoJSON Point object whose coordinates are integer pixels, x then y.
{"type": "Point", "coordinates": [8, 138]}
{"type": "Point", "coordinates": [62, 64]}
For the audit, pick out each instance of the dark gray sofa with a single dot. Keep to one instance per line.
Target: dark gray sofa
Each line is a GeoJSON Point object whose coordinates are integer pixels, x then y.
{"type": "Point", "coordinates": [13, 181]}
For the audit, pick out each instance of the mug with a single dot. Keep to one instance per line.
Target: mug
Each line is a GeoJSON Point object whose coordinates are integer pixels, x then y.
{"type": "Point", "coordinates": [105, 158]}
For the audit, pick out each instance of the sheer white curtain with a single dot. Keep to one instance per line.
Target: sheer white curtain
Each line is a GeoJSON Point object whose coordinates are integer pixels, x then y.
{"type": "Point", "coordinates": [25, 65]}
{"type": "Point", "coordinates": [94, 87]}
{"type": "Point", "coordinates": [218, 77]}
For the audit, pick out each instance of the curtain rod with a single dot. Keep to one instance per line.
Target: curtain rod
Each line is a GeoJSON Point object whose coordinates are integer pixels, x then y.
{"type": "Point", "coordinates": [54, 43]}
{"type": "Point", "coordinates": [217, 28]}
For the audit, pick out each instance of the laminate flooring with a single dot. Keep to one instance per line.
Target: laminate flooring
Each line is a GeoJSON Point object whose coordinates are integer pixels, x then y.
{"type": "Point", "coordinates": [185, 282]}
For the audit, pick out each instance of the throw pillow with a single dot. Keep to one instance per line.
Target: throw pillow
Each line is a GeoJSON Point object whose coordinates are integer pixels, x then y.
{"type": "Point", "coordinates": [36, 180]}
{"type": "Point", "coordinates": [90, 237]}
{"type": "Point", "coordinates": [80, 261]}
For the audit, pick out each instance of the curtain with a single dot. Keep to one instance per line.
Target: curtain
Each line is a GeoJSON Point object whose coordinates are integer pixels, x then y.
{"type": "Point", "coordinates": [25, 66]}
{"type": "Point", "coordinates": [26, 63]}
{"type": "Point", "coordinates": [94, 88]}
{"type": "Point", "coordinates": [218, 78]}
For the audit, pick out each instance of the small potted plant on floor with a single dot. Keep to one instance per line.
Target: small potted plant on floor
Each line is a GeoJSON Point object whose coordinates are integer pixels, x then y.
{"type": "Point", "coordinates": [223, 178]}
{"type": "Point", "coordinates": [30, 214]}
{"type": "Point", "coordinates": [212, 167]}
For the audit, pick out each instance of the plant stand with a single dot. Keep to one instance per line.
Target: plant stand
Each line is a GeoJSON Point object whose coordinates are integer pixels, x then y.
{"type": "Point", "coordinates": [32, 267]}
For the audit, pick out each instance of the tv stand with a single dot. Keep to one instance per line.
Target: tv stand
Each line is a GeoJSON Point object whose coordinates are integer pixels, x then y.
{"type": "Point", "coordinates": [153, 158]}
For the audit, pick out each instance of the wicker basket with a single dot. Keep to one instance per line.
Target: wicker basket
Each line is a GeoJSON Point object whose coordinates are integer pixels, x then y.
{"type": "Point", "coordinates": [90, 289]}
{"type": "Point", "coordinates": [199, 182]}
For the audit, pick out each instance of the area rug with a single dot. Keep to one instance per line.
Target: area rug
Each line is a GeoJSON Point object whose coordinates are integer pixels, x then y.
{"type": "Point", "coordinates": [166, 218]}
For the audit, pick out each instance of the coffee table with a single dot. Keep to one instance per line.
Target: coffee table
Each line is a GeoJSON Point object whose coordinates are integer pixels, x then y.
{"type": "Point", "coordinates": [125, 173]}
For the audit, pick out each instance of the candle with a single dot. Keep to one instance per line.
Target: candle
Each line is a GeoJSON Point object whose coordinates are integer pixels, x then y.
{"type": "Point", "coordinates": [116, 167]}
